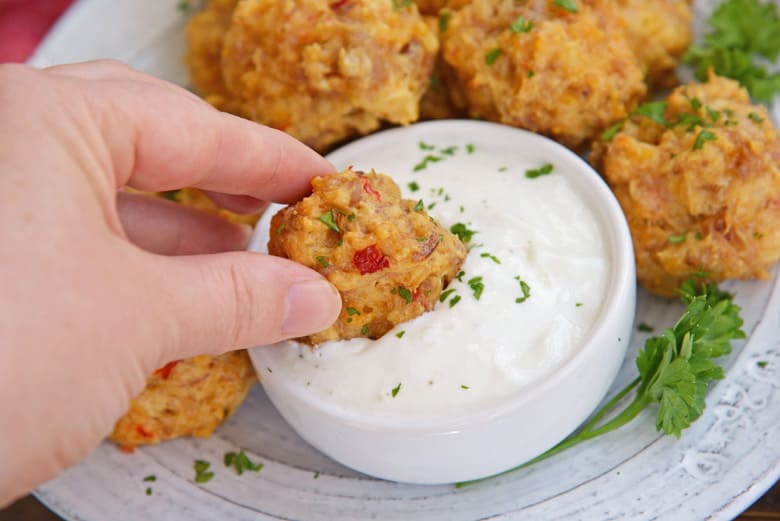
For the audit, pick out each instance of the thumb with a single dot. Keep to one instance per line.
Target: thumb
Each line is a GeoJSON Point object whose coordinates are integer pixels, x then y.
{"type": "Point", "coordinates": [236, 300]}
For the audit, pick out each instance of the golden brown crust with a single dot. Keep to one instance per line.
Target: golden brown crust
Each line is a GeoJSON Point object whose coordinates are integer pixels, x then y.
{"type": "Point", "coordinates": [324, 71]}
{"type": "Point", "coordinates": [712, 207]}
{"type": "Point", "coordinates": [190, 397]}
{"type": "Point", "coordinates": [388, 259]}
{"type": "Point", "coordinates": [568, 77]}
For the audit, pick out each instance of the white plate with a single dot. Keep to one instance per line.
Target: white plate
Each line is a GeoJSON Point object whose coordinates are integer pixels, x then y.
{"type": "Point", "coordinates": [724, 462]}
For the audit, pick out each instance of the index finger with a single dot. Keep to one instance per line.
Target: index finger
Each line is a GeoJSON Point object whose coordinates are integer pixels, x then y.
{"type": "Point", "coordinates": [162, 138]}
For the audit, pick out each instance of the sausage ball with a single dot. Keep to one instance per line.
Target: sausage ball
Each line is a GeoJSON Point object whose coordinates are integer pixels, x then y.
{"type": "Point", "coordinates": [699, 183]}
{"type": "Point", "coordinates": [326, 70]}
{"type": "Point", "coordinates": [659, 32]}
{"type": "Point", "coordinates": [189, 397]}
{"type": "Point", "coordinates": [560, 68]}
{"type": "Point", "coordinates": [387, 257]}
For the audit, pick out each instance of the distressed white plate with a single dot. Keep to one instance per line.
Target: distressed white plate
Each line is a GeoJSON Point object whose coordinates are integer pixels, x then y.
{"type": "Point", "coordinates": [717, 469]}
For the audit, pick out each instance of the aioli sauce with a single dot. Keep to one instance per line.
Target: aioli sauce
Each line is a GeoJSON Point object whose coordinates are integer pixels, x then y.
{"type": "Point", "coordinates": [469, 352]}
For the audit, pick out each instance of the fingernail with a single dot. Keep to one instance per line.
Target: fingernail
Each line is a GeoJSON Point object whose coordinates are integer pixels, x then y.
{"type": "Point", "coordinates": [310, 307]}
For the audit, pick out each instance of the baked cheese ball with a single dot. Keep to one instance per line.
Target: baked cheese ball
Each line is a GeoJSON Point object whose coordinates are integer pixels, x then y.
{"type": "Point", "coordinates": [189, 397]}
{"type": "Point", "coordinates": [701, 192]}
{"type": "Point", "coordinates": [389, 260]}
{"type": "Point", "coordinates": [659, 32]}
{"type": "Point", "coordinates": [324, 70]}
{"type": "Point", "coordinates": [563, 69]}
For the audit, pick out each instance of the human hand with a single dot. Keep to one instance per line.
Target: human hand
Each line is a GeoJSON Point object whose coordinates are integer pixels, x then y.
{"type": "Point", "coordinates": [86, 313]}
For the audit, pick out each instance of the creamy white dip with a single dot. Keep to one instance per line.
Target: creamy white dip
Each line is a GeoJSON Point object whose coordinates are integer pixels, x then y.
{"type": "Point", "coordinates": [463, 356]}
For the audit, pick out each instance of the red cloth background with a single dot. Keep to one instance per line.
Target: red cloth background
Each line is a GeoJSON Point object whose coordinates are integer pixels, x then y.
{"type": "Point", "coordinates": [23, 23]}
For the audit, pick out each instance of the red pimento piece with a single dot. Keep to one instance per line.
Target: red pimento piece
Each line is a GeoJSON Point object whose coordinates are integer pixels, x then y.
{"type": "Point", "coordinates": [165, 371]}
{"type": "Point", "coordinates": [143, 432]}
{"type": "Point", "coordinates": [371, 190]}
{"type": "Point", "coordinates": [338, 4]}
{"type": "Point", "coordinates": [370, 259]}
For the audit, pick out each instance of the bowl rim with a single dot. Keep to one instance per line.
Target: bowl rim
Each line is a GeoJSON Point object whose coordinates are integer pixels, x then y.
{"type": "Point", "coordinates": [609, 217]}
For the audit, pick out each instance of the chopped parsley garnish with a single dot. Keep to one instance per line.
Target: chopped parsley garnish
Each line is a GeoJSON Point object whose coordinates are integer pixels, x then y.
{"type": "Point", "coordinates": [400, 334]}
{"type": "Point", "coordinates": [202, 474]}
{"type": "Point", "coordinates": [431, 206]}
{"type": "Point", "coordinates": [469, 148]}
{"type": "Point", "coordinates": [241, 462]}
{"type": "Point", "coordinates": [521, 25]}
{"type": "Point", "coordinates": [758, 235]}
{"type": "Point", "coordinates": [704, 136]}
{"type": "Point", "coordinates": [612, 130]}
{"type": "Point", "coordinates": [183, 6]}
{"type": "Point", "coordinates": [645, 328]}
{"type": "Point", "coordinates": [323, 261]}
{"type": "Point", "coordinates": [569, 5]}
{"type": "Point", "coordinates": [755, 117]}
{"type": "Point", "coordinates": [422, 239]}
{"type": "Point", "coordinates": [364, 330]}
{"type": "Point", "coordinates": [464, 386]}
{"type": "Point", "coordinates": [150, 478]}
{"type": "Point", "coordinates": [476, 286]}
{"type": "Point", "coordinates": [413, 186]}
{"type": "Point", "coordinates": [539, 172]}
{"type": "Point", "coordinates": [400, 4]}
{"type": "Point", "coordinates": [395, 390]}
{"type": "Point", "coordinates": [525, 288]}
{"type": "Point", "coordinates": [445, 294]}
{"type": "Point", "coordinates": [676, 238]}
{"type": "Point", "coordinates": [449, 151]}
{"type": "Point", "coordinates": [492, 55]}
{"type": "Point", "coordinates": [425, 146]}
{"type": "Point", "coordinates": [502, 169]}
{"type": "Point", "coordinates": [420, 206]}
{"type": "Point", "coordinates": [462, 231]}
{"type": "Point", "coordinates": [454, 300]}
{"type": "Point", "coordinates": [578, 304]}
{"type": "Point", "coordinates": [316, 475]}
{"type": "Point", "coordinates": [148, 491]}
{"type": "Point", "coordinates": [329, 220]}
{"type": "Point", "coordinates": [351, 217]}
{"type": "Point", "coordinates": [530, 74]}
{"type": "Point", "coordinates": [281, 228]}
{"type": "Point", "coordinates": [405, 294]}
{"type": "Point", "coordinates": [422, 165]}
{"type": "Point", "coordinates": [459, 276]}
{"type": "Point", "coordinates": [490, 256]}
{"type": "Point", "coordinates": [695, 103]}
{"type": "Point", "coordinates": [762, 364]}
{"type": "Point", "coordinates": [352, 311]}
{"type": "Point", "coordinates": [444, 20]}
{"type": "Point", "coordinates": [653, 110]}
{"type": "Point", "coordinates": [714, 115]}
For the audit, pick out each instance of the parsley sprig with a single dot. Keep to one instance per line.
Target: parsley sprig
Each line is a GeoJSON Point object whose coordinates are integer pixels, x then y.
{"type": "Point", "coordinates": [675, 369]}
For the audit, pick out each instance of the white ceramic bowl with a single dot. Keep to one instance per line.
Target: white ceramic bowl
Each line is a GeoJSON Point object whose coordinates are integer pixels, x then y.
{"type": "Point", "coordinates": [466, 446]}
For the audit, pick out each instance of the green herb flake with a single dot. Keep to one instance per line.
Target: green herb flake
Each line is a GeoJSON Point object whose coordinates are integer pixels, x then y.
{"type": "Point", "coordinates": [653, 110]}
{"type": "Point", "coordinates": [413, 186]}
{"type": "Point", "coordinates": [323, 261]}
{"type": "Point", "coordinates": [444, 20]}
{"type": "Point", "coordinates": [401, 4]}
{"type": "Point", "coordinates": [539, 172]}
{"type": "Point", "coordinates": [502, 169]}
{"type": "Point", "coordinates": [405, 294]}
{"type": "Point", "coordinates": [150, 478]}
{"type": "Point", "coordinates": [755, 118]}
{"type": "Point", "coordinates": [762, 364]}
{"type": "Point", "coordinates": [364, 330]}
{"type": "Point", "coordinates": [459, 276]}
{"type": "Point", "coordinates": [578, 304]}
{"type": "Point", "coordinates": [492, 55]}
{"type": "Point", "coordinates": [420, 206]}
{"type": "Point", "coordinates": [422, 165]}
{"type": "Point", "coordinates": [425, 146]}
{"type": "Point", "coordinates": [462, 231]}
{"type": "Point", "coordinates": [171, 195]}
{"type": "Point", "coordinates": [569, 5]}
{"type": "Point", "coordinates": [676, 238]}
{"type": "Point", "coordinates": [758, 235]}
{"type": "Point", "coordinates": [521, 25]}
{"type": "Point", "coordinates": [431, 206]}
{"type": "Point", "coordinates": [400, 334]}
{"type": "Point", "coordinates": [422, 239]}
{"type": "Point", "coordinates": [148, 491]}
{"type": "Point", "coordinates": [395, 390]}
{"type": "Point", "coordinates": [281, 228]}
{"type": "Point", "coordinates": [490, 256]}
{"type": "Point", "coordinates": [329, 220]}
{"type": "Point", "coordinates": [352, 311]}
{"type": "Point", "coordinates": [530, 74]}
{"type": "Point", "coordinates": [612, 130]}
{"type": "Point", "coordinates": [645, 328]}
{"type": "Point", "coordinates": [202, 474]}
{"type": "Point", "coordinates": [464, 386]}
{"type": "Point", "coordinates": [469, 148]}
{"type": "Point", "coordinates": [714, 115]}
{"type": "Point", "coordinates": [445, 294]}
{"type": "Point", "coordinates": [351, 217]}
{"type": "Point", "coordinates": [449, 151]}
{"type": "Point", "coordinates": [477, 286]}
{"type": "Point", "coordinates": [454, 300]}
{"type": "Point", "coordinates": [316, 475]}
{"type": "Point", "coordinates": [704, 136]}
{"type": "Point", "coordinates": [525, 288]}
{"type": "Point", "coordinates": [241, 462]}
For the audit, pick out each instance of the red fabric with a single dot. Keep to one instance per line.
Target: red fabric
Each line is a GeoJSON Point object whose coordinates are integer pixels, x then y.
{"type": "Point", "coordinates": [23, 23]}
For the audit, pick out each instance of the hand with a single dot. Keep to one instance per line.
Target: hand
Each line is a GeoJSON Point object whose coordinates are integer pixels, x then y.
{"type": "Point", "coordinates": [85, 314]}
